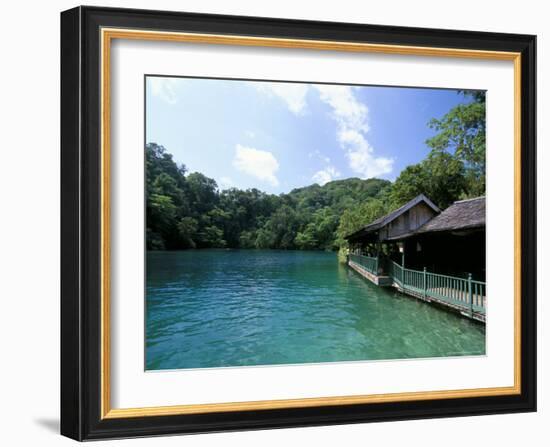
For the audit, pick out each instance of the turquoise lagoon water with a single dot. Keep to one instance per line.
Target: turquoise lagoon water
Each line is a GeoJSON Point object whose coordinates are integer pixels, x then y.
{"type": "Point", "coordinates": [215, 308]}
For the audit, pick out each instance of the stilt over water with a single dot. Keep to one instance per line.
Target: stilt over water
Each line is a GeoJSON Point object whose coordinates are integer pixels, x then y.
{"type": "Point", "coordinates": [450, 242]}
{"type": "Point", "coordinates": [463, 295]}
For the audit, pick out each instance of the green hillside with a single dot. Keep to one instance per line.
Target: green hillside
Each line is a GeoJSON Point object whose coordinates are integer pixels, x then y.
{"type": "Point", "coordinates": [189, 211]}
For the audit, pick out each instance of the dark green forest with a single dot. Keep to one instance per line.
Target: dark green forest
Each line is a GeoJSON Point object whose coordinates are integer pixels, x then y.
{"type": "Point", "coordinates": [188, 210]}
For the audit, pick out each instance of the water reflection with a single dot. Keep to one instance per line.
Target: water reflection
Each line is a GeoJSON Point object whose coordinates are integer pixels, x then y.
{"type": "Point", "coordinates": [212, 308]}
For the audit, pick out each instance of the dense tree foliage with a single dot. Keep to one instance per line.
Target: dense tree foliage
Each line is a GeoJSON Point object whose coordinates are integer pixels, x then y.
{"type": "Point", "coordinates": [440, 176]}
{"type": "Point", "coordinates": [188, 210]}
{"type": "Point", "coordinates": [455, 167]}
{"type": "Point", "coordinates": [462, 132]}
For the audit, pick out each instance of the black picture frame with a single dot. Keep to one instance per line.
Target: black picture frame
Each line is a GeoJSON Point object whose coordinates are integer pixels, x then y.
{"type": "Point", "coordinates": [81, 223]}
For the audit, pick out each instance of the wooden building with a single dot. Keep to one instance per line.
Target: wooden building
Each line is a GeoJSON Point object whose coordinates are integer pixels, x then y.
{"type": "Point", "coordinates": [379, 238]}
{"type": "Point", "coordinates": [452, 243]}
{"type": "Point", "coordinates": [427, 253]}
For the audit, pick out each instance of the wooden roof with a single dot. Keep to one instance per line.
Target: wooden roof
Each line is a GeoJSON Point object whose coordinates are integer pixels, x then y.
{"type": "Point", "coordinates": [461, 215]}
{"type": "Point", "coordinates": [384, 220]}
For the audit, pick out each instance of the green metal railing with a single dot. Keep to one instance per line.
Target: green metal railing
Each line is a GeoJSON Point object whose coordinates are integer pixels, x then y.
{"type": "Point", "coordinates": [464, 293]}
{"type": "Point", "coordinates": [395, 272]}
{"type": "Point", "coordinates": [368, 263]}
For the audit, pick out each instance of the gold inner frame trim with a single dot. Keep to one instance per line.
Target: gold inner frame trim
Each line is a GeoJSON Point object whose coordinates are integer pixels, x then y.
{"type": "Point", "coordinates": [107, 35]}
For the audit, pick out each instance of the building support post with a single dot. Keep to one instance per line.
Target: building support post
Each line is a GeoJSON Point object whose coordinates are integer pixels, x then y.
{"type": "Point", "coordinates": [470, 296]}
{"type": "Point", "coordinates": [424, 283]}
{"type": "Point", "coordinates": [377, 254]}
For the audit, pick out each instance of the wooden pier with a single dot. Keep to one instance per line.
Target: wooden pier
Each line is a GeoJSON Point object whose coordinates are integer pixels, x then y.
{"type": "Point", "coordinates": [463, 295]}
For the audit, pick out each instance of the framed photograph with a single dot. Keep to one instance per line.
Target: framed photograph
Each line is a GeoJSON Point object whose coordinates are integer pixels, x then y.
{"type": "Point", "coordinates": [277, 223]}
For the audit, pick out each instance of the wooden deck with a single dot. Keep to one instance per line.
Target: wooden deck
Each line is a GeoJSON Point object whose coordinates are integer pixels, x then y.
{"type": "Point", "coordinates": [460, 308]}
{"type": "Point", "coordinates": [379, 280]}
{"type": "Point", "coordinates": [454, 299]}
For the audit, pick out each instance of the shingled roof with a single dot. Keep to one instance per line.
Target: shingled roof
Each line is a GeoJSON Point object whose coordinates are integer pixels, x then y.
{"type": "Point", "coordinates": [461, 215]}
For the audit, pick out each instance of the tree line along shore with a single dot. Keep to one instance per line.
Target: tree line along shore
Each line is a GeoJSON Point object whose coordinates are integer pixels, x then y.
{"type": "Point", "coordinates": [188, 210]}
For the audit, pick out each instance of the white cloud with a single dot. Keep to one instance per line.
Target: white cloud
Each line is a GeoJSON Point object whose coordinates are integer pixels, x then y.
{"type": "Point", "coordinates": [361, 156]}
{"type": "Point", "coordinates": [325, 175]}
{"type": "Point", "coordinates": [317, 153]}
{"type": "Point", "coordinates": [347, 110]}
{"type": "Point", "coordinates": [226, 183]}
{"type": "Point", "coordinates": [257, 163]}
{"type": "Point", "coordinates": [294, 95]}
{"type": "Point", "coordinates": [164, 88]}
{"type": "Point", "coordinates": [351, 117]}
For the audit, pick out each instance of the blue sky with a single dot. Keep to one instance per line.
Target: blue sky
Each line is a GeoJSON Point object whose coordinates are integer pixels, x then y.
{"type": "Point", "coordinates": [277, 136]}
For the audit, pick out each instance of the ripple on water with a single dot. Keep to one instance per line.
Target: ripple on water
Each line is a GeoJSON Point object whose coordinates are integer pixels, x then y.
{"type": "Point", "coordinates": [212, 308]}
